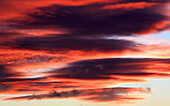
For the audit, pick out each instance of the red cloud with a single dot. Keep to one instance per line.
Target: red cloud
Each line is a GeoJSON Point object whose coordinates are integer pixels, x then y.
{"type": "Point", "coordinates": [130, 6]}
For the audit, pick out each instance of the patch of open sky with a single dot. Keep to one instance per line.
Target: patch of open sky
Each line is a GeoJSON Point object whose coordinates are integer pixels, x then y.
{"type": "Point", "coordinates": [164, 35]}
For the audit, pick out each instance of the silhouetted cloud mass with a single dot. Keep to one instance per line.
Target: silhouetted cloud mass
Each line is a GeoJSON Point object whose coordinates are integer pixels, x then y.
{"type": "Point", "coordinates": [93, 21]}
{"type": "Point", "coordinates": [60, 43]}
{"type": "Point", "coordinates": [108, 68]}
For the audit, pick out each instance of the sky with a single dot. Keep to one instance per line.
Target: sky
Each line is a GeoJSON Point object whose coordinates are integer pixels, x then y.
{"type": "Point", "coordinates": [84, 52]}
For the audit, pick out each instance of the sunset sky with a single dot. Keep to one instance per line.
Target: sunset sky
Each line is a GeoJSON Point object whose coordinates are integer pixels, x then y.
{"type": "Point", "coordinates": [84, 52]}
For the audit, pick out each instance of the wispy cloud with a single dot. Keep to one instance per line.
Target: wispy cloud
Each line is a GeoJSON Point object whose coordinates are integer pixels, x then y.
{"type": "Point", "coordinates": [113, 95]}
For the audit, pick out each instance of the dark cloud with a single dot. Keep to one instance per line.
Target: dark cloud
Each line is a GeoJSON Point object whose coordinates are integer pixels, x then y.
{"type": "Point", "coordinates": [21, 79]}
{"type": "Point", "coordinates": [9, 75]}
{"type": "Point", "coordinates": [100, 95]}
{"type": "Point", "coordinates": [110, 68]}
{"type": "Point", "coordinates": [9, 34]}
{"type": "Point", "coordinates": [27, 89]}
{"type": "Point", "coordinates": [5, 73]}
{"type": "Point", "coordinates": [57, 44]}
{"type": "Point", "coordinates": [91, 20]}
{"type": "Point", "coordinates": [5, 87]}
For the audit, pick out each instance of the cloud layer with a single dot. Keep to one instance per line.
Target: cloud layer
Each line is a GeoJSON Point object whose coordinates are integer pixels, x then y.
{"type": "Point", "coordinates": [113, 95]}
{"type": "Point", "coordinates": [96, 20]}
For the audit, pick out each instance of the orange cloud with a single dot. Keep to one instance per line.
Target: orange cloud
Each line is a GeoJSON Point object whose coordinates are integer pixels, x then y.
{"type": "Point", "coordinates": [15, 8]}
{"type": "Point", "coordinates": [130, 6]}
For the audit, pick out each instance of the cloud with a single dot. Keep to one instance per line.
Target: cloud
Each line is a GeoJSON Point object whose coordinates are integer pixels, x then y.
{"type": "Point", "coordinates": [9, 34]}
{"type": "Point", "coordinates": [26, 58]}
{"type": "Point", "coordinates": [6, 73]}
{"type": "Point", "coordinates": [92, 21]}
{"type": "Point", "coordinates": [97, 95]}
{"type": "Point", "coordinates": [61, 44]}
{"type": "Point", "coordinates": [83, 24]}
{"type": "Point", "coordinates": [113, 69]}
{"type": "Point", "coordinates": [91, 74]}
{"type": "Point", "coordinates": [16, 8]}
{"type": "Point", "coordinates": [4, 87]}
{"type": "Point", "coordinates": [130, 6]}
{"type": "Point", "coordinates": [22, 79]}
